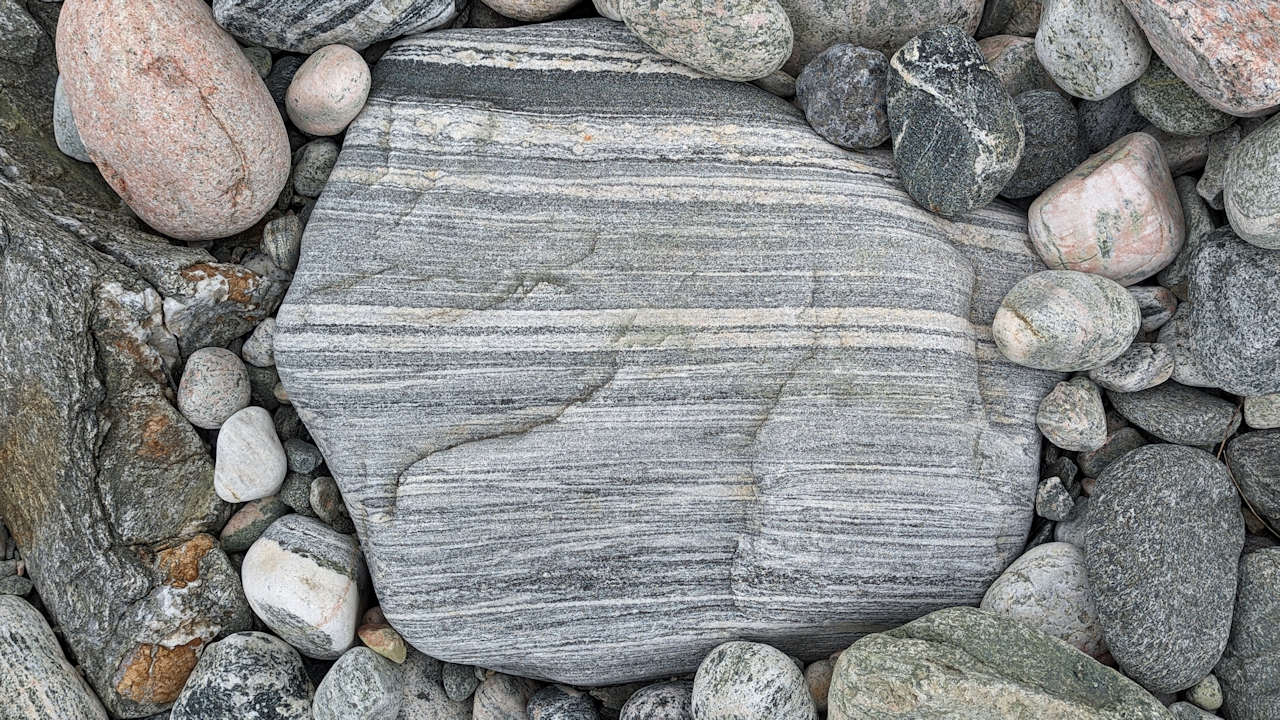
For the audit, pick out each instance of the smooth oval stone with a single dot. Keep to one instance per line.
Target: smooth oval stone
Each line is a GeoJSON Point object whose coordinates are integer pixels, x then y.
{"type": "Point", "coordinates": [1249, 191]}
{"type": "Point", "coordinates": [1164, 585]}
{"type": "Point", "coordinates": [1091, 48]}
{"type": "Point", "coordinates": [1178, 414]}
{"type": "Point", "coordinates": [532, 10]}
{"type": "Point", "coordinates": [282, 241]}
{"type": "Point", "coordinates": [214, 386]}
{"type": "Point", "coordinates": [1048, 589]}
{"type": "Point", "coordinates": [1249, 670]}
{"type": "Point", "coordinates": [842, 94]}
{"type": "Point", "coordinates": [1207, 693]}
{"type": "Point", "coordinates": [247, 676]}
{"type": "Point", "coordinates": [1226, 50]}
{"type": "Point", "coordinates": [250, 462]}
{"type": "Point", "coordinates": [1142, 366]}
{"type": "Point", "coordinates": [304, 26]}
{"type": "Point", "coordinates": [1254, 458]}
{"type": "Point", "coordinates": [957, 138]}
{"type": "Point", "coordinates": [1051, 148]}
{"type": "Point", "coordinates": [326, 501]}
{"type": "Point", "coordinates": [1262, 412]}
{"type": "Point", "coordinates": [817, 675]}
{"type": "Point", "coordinates": [1013, 60]}
{"type": "Point", "coordinates": [1157, 305]}
{"type": "Point", "coordinates": [312, 165]}
{"type": "Point", "coordinates": [384, 640]}
{"type": "Point", "coordinates": [328, 90]}
{"type": "Point", "coordinates": [361, 685]}
{"type": "Point", "coordinates": [459, 681]}
{"type": "Point", "coordinates": [733, 39]}
{"type": "Point", "coordinates": [963, 662]}
{"type": "Point", "coordinates": [173, 114]}
{"type": "Point", "coordinates": [1117, 215]}
{"type": "Point", "coordinates": [1066, 321]}
{"type": "Point", "coordinates": [258, 350]}
{"type": "Point", "coordinates": [1171, 105]}
{"type": "Point", "coordinates": [1071, 416]}
{"type": "Point", "coordinates": [250, 521]}
{"type": "Point", "coordinates": [750, 681]}
{"type": "Point", "coordinates": [36, 681]}
{"type": "Point", "coordinates": [558, 702]}
{"type": "Point", "coordinates": [503, 697]}
{"type": "Point", "coordinates": [663, 701]}
{"type": "Point", "coordinates": [64, 126]}
{"type": "Point", "coordinates": [303, 580]}
{"type": "Point", "coordinates": [1234, 318]}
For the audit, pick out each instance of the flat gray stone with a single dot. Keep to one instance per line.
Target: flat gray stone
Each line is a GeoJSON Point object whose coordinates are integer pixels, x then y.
{"type": "Point", "coordinates": [750, 680]}
{"type": "Point", "coordinates": [1254, 458]}
{"type": "Point", "coordinates": [37, 681]}
{"type": "Point", "coordinates": [681, 381]}
{"type": "Point", "coordinates": [1171, 105]}
{"type": "Point", "coordinates": [1250, 667]}
{"type": "Point", "coordinates": [1179, 414]}
{"type": "Point", "coordinates": [1163, 538]}
{"type": "Point", "coordinates": [1141, 367]}
{"type": "Point", "coordinates": [247, 676]}
{"type": "Point", "coordinates": [306, 25]}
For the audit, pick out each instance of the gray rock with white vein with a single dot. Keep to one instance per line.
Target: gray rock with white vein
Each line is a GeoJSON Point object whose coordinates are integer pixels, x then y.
{"type": "Point", "coordinates": [697, 353]}
{"type": "Point", "coordinates": [247, 676]}
{"type": "Point", "coordinates": [306, 26]}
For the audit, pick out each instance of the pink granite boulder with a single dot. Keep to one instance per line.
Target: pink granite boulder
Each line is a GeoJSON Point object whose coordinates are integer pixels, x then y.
{"type": "Point", "coordinates": [328, 91]}
{"type": "Point", "coordinates": [1228, 51]}
{"type": "Point", "coordinates": [179, 122]}
{"type": "Point", "coordinates": [1117, 215]}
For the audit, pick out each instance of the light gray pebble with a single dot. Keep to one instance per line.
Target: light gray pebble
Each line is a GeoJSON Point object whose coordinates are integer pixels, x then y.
{"type": "Point", "coordinates": [777, 82]}
{"type": "Point", "coordinates": [1249, 190]}
{"type": "Point", "coordinates": [214, 386]}
{"type": "Point", "coordinates": [259, 349]}
{"type": "Point", "coordinates": [1156, 303]}
{"type": "Point", "coordinates": [1179, 414]}
{"type": "Point", "coordinates": [64, 126]}
{"type": "Point", "coordinates": [1053, 500]}
{"type": "Point", "coordinates": [1207, 693]}
{"type": "Point", "coordinates": [1262, 412]}
{"type": "Point", "coordinates": [1071, 416]}
{"type": "Point", "coordinates": [282, 241]}
{"type": "Point", "coordinates": [459, 681]}
{"type": "Point", "coordinates": [303, 456]}
{"type": "Point", "coordinates": [250, 462]}
{"type": "Point", "coordinates": [558, 702]}
{"type": "Point", "coordinates": [1065, 320]}
{"type": "Point", "coordinates": [503, 697]}
{"type": "Point", "coordinates": [1091, 48]}
{"type": "Point", "coordinates": [327, 503]}
{"type": "Point", "coordinates": [663, 701]}
{"type": "Point", "coordinates": [1172, 105]}
{"type": "Point", "coordinates": [1142, 366]}
{"type": "Point", "coordinates": [37, 681]}
{"type": "Point", "coordinates": [361, 685]}
{"type": "Point", "coordinates": [15, 585]}
{"type": "Point", "coordinates": [312, 164]}
{"type": "Point", "coordinates": [750, 681]}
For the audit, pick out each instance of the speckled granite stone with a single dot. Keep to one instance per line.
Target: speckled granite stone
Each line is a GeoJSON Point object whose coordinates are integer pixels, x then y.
{"type": "Point", "coordinates": [1248, 187]}
{"type": "Point", "coordinates": [1171, 105]}
{"type": "Point", "coordinates": [663, 701]}
{"type": "Point", "coordinates": [1052, 146]}
{"type": "Point", "coordinates": [1178, 414]}
{"type": "Point", "coordinates": [1013, 60]}
{"type": "Point", "coordinates": [842, 93]}
{"type": "Point", "coordinates": [1198, 223]}
{"type": "Point", "coordinates": [1250, 667]}
{"type": "Point", "coordinates": [1142, 366]}
{"type": "Point", "coordinates": [730, 39]}
{"type": "Point", "coordinates": [307, 25]}
{"type": "Point", "coordinates": [247, 676]}
{"type": "Point", "coordinates": [750, 680]}
{"type": "Point", "coordinates": [1066, 321]}
{"type": "Point", "coordinates": [723, 324]}
{"type": "Point", "coordinates": [1254, 458]}
{"type": "Point", "coordinates": [1048, 589]}
{"type": "Point", "coordinates": [361, 685]}
{"type": "Point", "coordinates": [1091, 48]}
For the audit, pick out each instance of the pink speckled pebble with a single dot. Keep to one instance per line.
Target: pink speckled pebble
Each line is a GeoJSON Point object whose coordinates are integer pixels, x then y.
{"type": "Point", "coordinates": [328, 91]}
{"type": "Point", "coordinates": [530, 10]}
{"type": "Point", "coordinates": [1117, 215]}
{"type": "Point", "coordinates": [179, 123]}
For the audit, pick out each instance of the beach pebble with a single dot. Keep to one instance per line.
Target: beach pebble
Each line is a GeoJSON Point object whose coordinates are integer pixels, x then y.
{"type": "Point", "coordinates": [957, 137]}
{"type": "Point", "coordinates": [663, 701]}
{"type": "Point", "coordinates": [1157, 305]}
{"type": "Point", "coordinates": [1052, 146]}
{"type": "Point", "coordinates": [328, 90]}
{"type": "Point", "coordinates": [260, 58]}
{"type": "Point", "coordinates": [1262, 412]}
{"type": "Point", "coordinates": [296, 493]}
{"type": "Point", "coordinates": [214, 386]}
{"type": "Point", "coordinates": [842, 94]}
{"type": "Point", "coordinates": [557, 702]}
{"type": "Point", "coordinates": [1207, 693]}
{"type": "Point", "coordinates": [1249, 671]}
{"type": "Point", "coordinates": [259, 349]}
{"type": "Point", "coordinates": [1142, 366]}
{"type": "Point", "coordinates": [178, 121]}
{"type": "Point", "coordinates": [1053, 500]}
{"type": "Point", "coordinates": [530, 10]}
{"type": "Point", "coordinates": [750, 681]}
{"type": "Point", "coordinates": [738, 40]}
{"type": "Point", "coordinates": [1066, 321]}
{"type": "Point", "coordinates": [1254, 459]}
{"type": "Point", "coordinates": [250, 521]}
{"type": "Point", "coordinates": [303, 456]}
{"type": "Point", "coordinates": [1249, 191]}
{"type": "Point", "coordinates": [1116, 215]}
{"type": "Point", "coordinates": [1091, 48]}
{"type": "Point", "coordinates": [1013, 60]}
{"type": "Point", "coordinates": [303, 580]}
{"type": "Point", "coordinates": [1172, 105]}
{"type": "Point", "coordinates": [1182, 153]}
{"type": "Point", "coordinates": [384, 640]}
{"type": "Point", "coordinates": [1071, 416]}
{"type": "Point", "coordinates": [1119, 442]}
{"type": "Point", "coordinates": [326, 501]}
{"type": "Point", "coordinates": [1048, 589]}
{"type": "Point", "coordinates": [503, 697]}
{"type": "Point", "coordinates": [246, 676]}
{"type": "Point", "coordinates": [1105, 121]}
{"type": "Point", "coordinates": [459, 681]}
{"type": "Point", "coordinates": [64, 126]}
{"type": "Point", "coordinates": [1178, 414]}
{"type": "Point", "coordinates": [817, 675]}
{"type": "Point", "coordinates": [250, 462]}
{"type": "Point", "coordinates": [311, 166]}
{"type": "Point", "coordinates": [361, 685]}
{"type": "Point", "coordinates": [282, 241]}
{"type": "Point", "coordinates": [304, 26]}
{"type": "Point", "coordinates": [1213, 180]}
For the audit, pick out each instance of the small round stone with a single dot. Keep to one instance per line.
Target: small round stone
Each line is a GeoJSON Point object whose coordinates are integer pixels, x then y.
{"type": "Point", "coordinates": [1249, 190]}
{"type": "Point", "coordinates": [250, 521]}
{"type": "Point", "coordinates": [361, 685]}
{"type": "Point", "coordinates": [663, 701]}
{"type": "Point", "coordinates": [1052, 147]}
{"type": "Point", "coordinates": [384, 640]}
{"type": "Point", "coordinates": [328, 91]}
{"type": "Point", "coordinates": [842, 94]}
{"type": "Point", "coordinates": [1066, 321]}
{"type": "Point", "coordinates": [736, 40]}
{"type": "Point", "coordinates": [296, 493]}
{"type": "Point", "coordinates": [1207, 693]}
{"type": "Point", "coordinates": [1071, 416]}
{"type": "Point", "coordinates": [1048, 589]}
{"type": "Point", "coordinates": [503, 697]}
{"type": "Point", "coordinates": [303, 456]}
{"type": "Point", "coordinates": [259, 349]}
{"type": "Point", "coordinates": [750, 681]}
{"type": "Point", "coordinates": [1013, 60]}
{"type": "Point", "coordinates": [1262, 412]}
{"type": "Point", "coordinates": [282, 241]}
{"type": "Point", "coordinates": [250, 463]}
{"type": "Point", "coordinates": [1091, 48]}
{"type": "Point", "coordinates": [530, 10]}
{"type": "Point", "coordinates": [818, 677]}
{"type": "Point", "coordinates": [1172, 105]}
{"type": "Point", "coordinates": [311, 166]}
{"type": "Point", "coordinates": [260, 58]}
{"type": "Point", "coordinates": [247, 676]}
{"type": "Point", "coordinates": [1053, 500]}
{"type": "Point", "coordinates": [1142, 366]}
{"type": "Point", "coordinates": [558, 702]}
{"type": "Point", "coordinates": [64, 126]}
{"type": "Point", "coordinates": [1157, 305]}
{"type": "Point", "coordinates": [459, 681]}
{"type": "Point", "coordinates": [214, 386]}
{"type": "Point", "coordinates": [326, 501]}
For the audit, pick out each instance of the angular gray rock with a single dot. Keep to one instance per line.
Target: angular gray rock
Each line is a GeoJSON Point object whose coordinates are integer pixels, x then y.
{"type": "Point", "coordinates": [750, 680]}
{"type": "Point", "coordinates": [1254, 459]}
{"type": "Point", "coordinates": [957, 137]}
{"type": "Point", "coordinates": [1250, 667]}
{"type": "Point", "coordinates": [1234, 320]}
{"type": "Point", "coordinates": [305, 27]}
{"type": "Point", "coordinates": [361, 685]}
{"type": "Point", "coordinates": [662, 701]}
{"type": "Point", "coordinates": [247, 676]}
{"type": "Point", "coordinates": [635, 337]}
{"type": "Point", "coordinates": [37, 681]}
{"type": "Point", "coordinates": [842, 93]}
{"type": "Point", "coordinates": [963, 662]}
{"type": "Point", "coordinates": [1163, 538]}
{"type": "Point", "coordinates": [1179, 414]}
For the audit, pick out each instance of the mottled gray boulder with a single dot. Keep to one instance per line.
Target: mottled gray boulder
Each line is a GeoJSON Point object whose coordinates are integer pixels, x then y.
{"type": "Point", "coordinates": [361, 685]}
{"type": "Point", "coordinates": [842, 93]}
{"type": "Point", "coordinates": [1091, 48]}
{"type": "Point", "coordinates": [1171, 105]}
{"type": "Point", "coordinates": [1105, 121]}
{"type": "Point", "coordinates": [965, 662]}
{"type": "Point", "coordinates": [739, 40]}
{"type": "Point", "coordinates": [740, 680]}
{"type": "Point", "coordinates": [1178, 414]}
{"type": "Point", "coordinates": [957, 138]}
{"type": "Point", "coordinates": [680, 416]}
{"type": "Point", "coordinates": [37, 681]}
{"type": "Point", "coordinates": [246, 676]}
{"type": "Point", "coordinates": [1234, 319]}
{"type": "Point", "coordinates": [1249, 193]}
{"type": "Point", "coordinates": [423, 690]}
{"type": "Point", "coordinates": [1163, 538]}
{"type": "Point", "coordinates": [1052, 143]}
{"type": "Point", "coordinates": [558, 702]}
{"type": "Point", "coordinates": [1142, 366]}
{"type": "Point", "coordinates": [663, 701]}
{"type": "Point", "coordinates": [1250, 667]}
{"type": "Point", "coordinates": [1254, 459]}
{"type": "Point", "coordinates": [305, 27]}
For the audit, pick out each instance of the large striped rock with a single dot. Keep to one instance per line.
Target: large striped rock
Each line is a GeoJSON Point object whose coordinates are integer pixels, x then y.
{"type": "Point", "coordinates": [614, 362]}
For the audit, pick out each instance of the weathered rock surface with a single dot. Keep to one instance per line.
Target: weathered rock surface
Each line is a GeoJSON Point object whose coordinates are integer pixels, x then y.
{"type": "Point", "coordinates": [247, 676]}
{"type": "Point", "coordinates": [1249, 193]}
{"type": "Point", "coordinates": [305, 25]}
{"type": "Point", "coordinates": [842, 93]}
{"type": "Point", "coordinates": [1250, 667]}
{"type": "Point", "coordinates": [1091, 48]}
{"type": "Point", "coordinates": [1051, 146]}
{"type": "Point", "coordinates": [1013, 60]}
{"type": "Point", "coordinates": [663, 701]}
{"type": "Point", "coordinates": [361, 685]}
{"type": "Point", "coordinates": [173, 114]}
{"type": "Point", "coordinates": [1254, 459]}
{"type": "Point", "coordinates": [1179, 414]}
{"type": "Point", "coordinates": [1142, 366]}
{"type": "Point", "coordinates": [733, 39]}
{"type": "Point", "coordinates": [1048, 589]}
{"type": "Point", "coordinates": [1163, 538]}
{"type": "Point", "coordinates": [750, 680]}
{"type": "Point", "coordinates": [1172, 105]}
{"type": "Point", "coordinates": [860, 267]}
{"type": "Point", "coordinates": [1262, 412]}
{"type": "Point", "coordinates": [64, 126]}
{"type": "Point", "coordinates": [37, 681]}
{"type": "Point", "coordinates": [964, 662]}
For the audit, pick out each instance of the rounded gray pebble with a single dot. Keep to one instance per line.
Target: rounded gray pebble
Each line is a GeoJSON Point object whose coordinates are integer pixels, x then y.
{"type": "Point", "coordinates": [246, 676]}
{"type": "Point", "coordinates": [260, 59]}
{"type": "Point", "coordinates": [361, 685]}
{"type": "Point", "coordinates": [282, 241]}
{"type": "Point", "coordinates": [327, 503]}
{"type": "Point", "coordinates": [1052, 146]}
{"type": "Point", "coordinates": [1092, 48]}
{"type": "Point", "coordinates": [303, 456]}
{"type": "Point", "coordinates": [842, 94]}
{"type": "Point", "coordinates": [503, 697]}
{"type": "Point", "coordinates": [663, 701]}
{"type": "Point", "coordinates": [311, 166]}
{"type": "Point", "coordinates": [1141, 367]}
{"type": "Point", "coordinates": [1065, 320]}
{"type": "Point", "coordinates": [750, 681]}
{"type": "Point", "coordinates": [214, 387]}
{"type": "Point", "coordinates": [296, 493]}
{"type": "Point", "coordinates": [1171, 105]}
{"type": "Point", "coordinates": [1179, 414]}
{"type": "Point", "coordinates": [459, 681]}
{"type": "Point", "coordinates": [1071, 416]}
{"type": "Point", "coordinates": [1053, 500]}
{"type": "Point", "coordinates": [556, 702]}
{"type": "Point", "coordinates": [1207, 693]}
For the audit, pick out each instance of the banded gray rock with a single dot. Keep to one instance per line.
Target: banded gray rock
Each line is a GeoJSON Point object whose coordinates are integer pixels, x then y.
{"type": "Point", "coordinates": [37, 681]}
{"type": "Point", "coordinates": [626, 351]}
{"type": "Point", "coordinates": [307, 25]}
